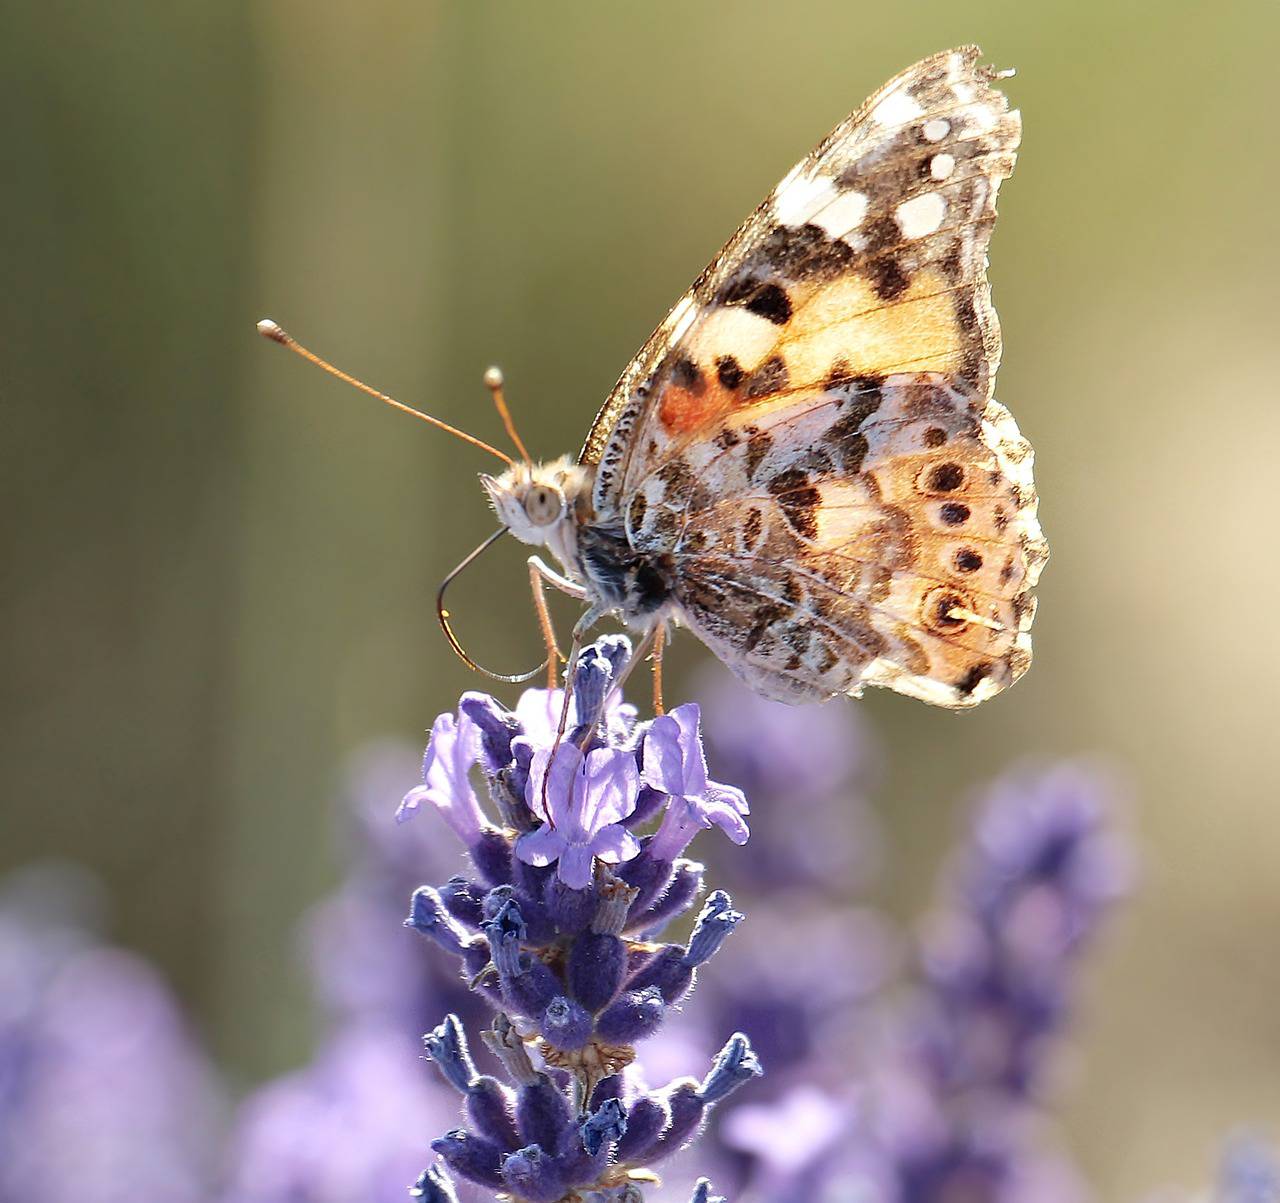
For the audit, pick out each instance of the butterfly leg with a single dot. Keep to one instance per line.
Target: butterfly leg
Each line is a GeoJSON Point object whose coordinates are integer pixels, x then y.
{"type": "Point", "coordinates": [659, 646]}
{"type": "Point", "coordinates": [540, 575]}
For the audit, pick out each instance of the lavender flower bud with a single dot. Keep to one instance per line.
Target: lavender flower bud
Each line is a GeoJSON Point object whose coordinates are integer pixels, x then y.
{"type": "Point", "coordinates": [446, 1045]}
{"type": "Point", "coordinates": [683, 886]}
{"type": "Point", "coordinates": [427, 915]}
{"type": "Point", "coordinates": [540, 927]}
{"type": "Point", "coordinates": [566, 1024]}
{"type": "Point", "coordinates": [433, 1186]}
{"type": "Point", "coordinates": [598, 958]}
{"type": "Point", "coordinates": [542, 1114]}
{"type": "Point", "coordinates": [702, 1193]}
{"type": "Point", "coordinates": [491, 855]}
{"type": "Point", "coordinates": [645, 1123]}
{"type": "Point", "coordinates": [506, 931]}
{"type": "Point", "coordinates": [527, 984]}
{"type": "Point", "coordinates": [489, 1108]}
{"type": "Point", "coordinates": [592, 681]}
{"type": "Point", "coordinates": [668, 971]}
{"type": "Point", "coordinates": [648, 873]}
{"type": "Point", "coordinates": [686, 1109]}
{"type": "Point", "coordinates": [607, 1124]}
{"type": "Point", "coordinates": [734, 1065]}
{"type": "Point", "coordinates": [533, 1175]}
{"type": "Point", "coordinates": [617, 650]}
{"type": "Point", "coordinates": [463, 900]}
{"type": "Point", "coordinates": [717, 920]}
{"type": "Point", "coordinates": [472, 1158]}
{"type": "Point", "coordinates": [497, 727]}
{"type": "Point", "coordinates": [635, 1015]}
{"type": "Point", "coordinates": [596, 965]}
{"type": "Point", "coordinates": [571, 910]}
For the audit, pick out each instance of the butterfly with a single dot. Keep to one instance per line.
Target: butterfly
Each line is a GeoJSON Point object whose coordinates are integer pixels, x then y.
{"type": "Point", "coordinates": [804, 465]}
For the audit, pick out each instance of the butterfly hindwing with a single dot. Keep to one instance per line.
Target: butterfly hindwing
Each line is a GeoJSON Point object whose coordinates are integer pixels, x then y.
{"type": "Point", "coordinates": [810, 437]}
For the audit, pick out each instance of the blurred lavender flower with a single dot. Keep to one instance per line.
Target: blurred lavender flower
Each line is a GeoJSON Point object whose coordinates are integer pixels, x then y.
{"type": "Point", "coordinates": [102, 1089]}
{"type": "Point", "coordinates": [352, 1125]}
{"type": "Point", "coordinates": [1250, 1172]}
{"type": "Point", "coordinates": [556, 929]}
{"type": "Point", "coordinates": [945, 1107]}
{"type": "Point", "coordinates": [808, 770]}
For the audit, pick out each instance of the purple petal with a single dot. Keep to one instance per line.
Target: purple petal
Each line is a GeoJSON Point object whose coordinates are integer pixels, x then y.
{"type": "Point", "coordinates": [561, 783]}
{"type": "Point", "coordinates": [538, 712]}
{"type": "Point", "coordinates": [611, 789]}
{"type": "Point", "coordinates": [614, 844]}
{"type": "Point", "coordinates": [576, 866]}
{"type": "Point", "coordinates": [453, 749]}
{"type": "Point", "coordinates": [694, 769]}
{"type": "Point", "coordinates": [679, 825]}
{"type": "Point", "coordinates": [541, 847]}
{"type": "Point", "coordinates": [663, 760]}
{"type": "Point", "coordinates": [724, 807]}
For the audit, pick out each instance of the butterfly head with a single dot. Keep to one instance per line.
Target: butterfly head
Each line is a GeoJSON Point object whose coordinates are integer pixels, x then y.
{"type": "Point", "coordinates": [533, 500]}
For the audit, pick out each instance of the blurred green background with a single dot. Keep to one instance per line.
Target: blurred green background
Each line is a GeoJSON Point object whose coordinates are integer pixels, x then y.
{"type": "Point", "coordinates": [219, 565]}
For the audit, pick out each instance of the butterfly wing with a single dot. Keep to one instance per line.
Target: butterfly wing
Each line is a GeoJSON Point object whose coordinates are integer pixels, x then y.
{"type": "Point", "coordinates": [810, 436]}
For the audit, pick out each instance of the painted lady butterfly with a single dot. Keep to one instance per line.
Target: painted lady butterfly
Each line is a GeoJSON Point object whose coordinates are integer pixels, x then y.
{"type": "Point", "coordinates": [804, 465]}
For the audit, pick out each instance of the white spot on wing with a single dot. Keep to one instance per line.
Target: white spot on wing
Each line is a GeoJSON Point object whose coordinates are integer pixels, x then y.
{"type": "Point", "coordinates": [843, 214]}
{"type": "Point", "coordinates": [921, 215]}
{"type": "Point", "coordinates": [941, 166]}
{"type": "Point", "coordinates": [897, 108]}
{"type": "Point", "coordinates": [796, 200]}
{"type": "Point", "coordinates": [735, 331]}
{"type": "Point", "coordinates": [936, 130]}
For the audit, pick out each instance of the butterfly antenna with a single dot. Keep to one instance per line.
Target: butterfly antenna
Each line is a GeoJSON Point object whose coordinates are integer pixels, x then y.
{"type": "Point", "coordinates": [268, 329]}
{"type": "Point", "coordinates": [493, 381]}
{"type": "Point", "coordinates": [443, 615]}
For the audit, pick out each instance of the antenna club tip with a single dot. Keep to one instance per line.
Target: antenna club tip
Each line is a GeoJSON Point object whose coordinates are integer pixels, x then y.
{"type": "Point", "coordinates": [493, 378]}
{"type": "Point", "coordinates": [268, 329]}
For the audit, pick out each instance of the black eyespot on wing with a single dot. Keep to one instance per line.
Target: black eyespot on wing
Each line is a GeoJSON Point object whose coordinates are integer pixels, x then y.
{"type": "Point", "coordinates": [968, 560]}
{"type": "Point", "coordinates": [954, 513]}
{"type": "Point", "coordinates": [771, 303]}
{"type": "Point", "coordinates": [685, 374]}
{"type": "Point", "coordinates": [945, 478]}
{"type": "Point", "coordinates": [729, 371]}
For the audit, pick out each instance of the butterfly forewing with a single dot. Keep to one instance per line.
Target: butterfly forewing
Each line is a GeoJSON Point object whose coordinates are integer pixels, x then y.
{"type": "Point", "coordinates": [810, 436]}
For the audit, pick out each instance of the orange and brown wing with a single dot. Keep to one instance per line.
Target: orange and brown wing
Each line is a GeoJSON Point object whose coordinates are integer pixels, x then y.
{"type": "Point", "coordinates": [869, 257]}
{"type": "Point", "coordinates": [812, 393]}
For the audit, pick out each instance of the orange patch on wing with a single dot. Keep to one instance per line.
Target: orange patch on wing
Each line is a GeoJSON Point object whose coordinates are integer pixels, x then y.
{"type": "Point", "coordinates": [684, 410]}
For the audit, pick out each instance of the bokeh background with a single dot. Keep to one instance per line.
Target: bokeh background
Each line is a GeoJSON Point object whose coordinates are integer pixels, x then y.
{"type": "Point", "coordinates": [219, 565]}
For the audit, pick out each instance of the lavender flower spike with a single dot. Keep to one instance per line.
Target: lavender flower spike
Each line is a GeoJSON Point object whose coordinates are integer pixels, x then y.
{"type": "Point", "coordinates": [587, 796]}
{"type": "Point", "coordinates": [675, 765]}
{"type": "Point", "coordinates": [568, 950]}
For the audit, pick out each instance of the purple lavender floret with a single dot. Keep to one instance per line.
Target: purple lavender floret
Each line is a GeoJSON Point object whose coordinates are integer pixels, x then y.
{"type": "Point", "coordinates": [558, 928]}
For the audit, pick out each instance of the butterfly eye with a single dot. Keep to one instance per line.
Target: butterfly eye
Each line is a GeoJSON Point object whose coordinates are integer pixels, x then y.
{"type": "Point", "coordinates": [543, 505]}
